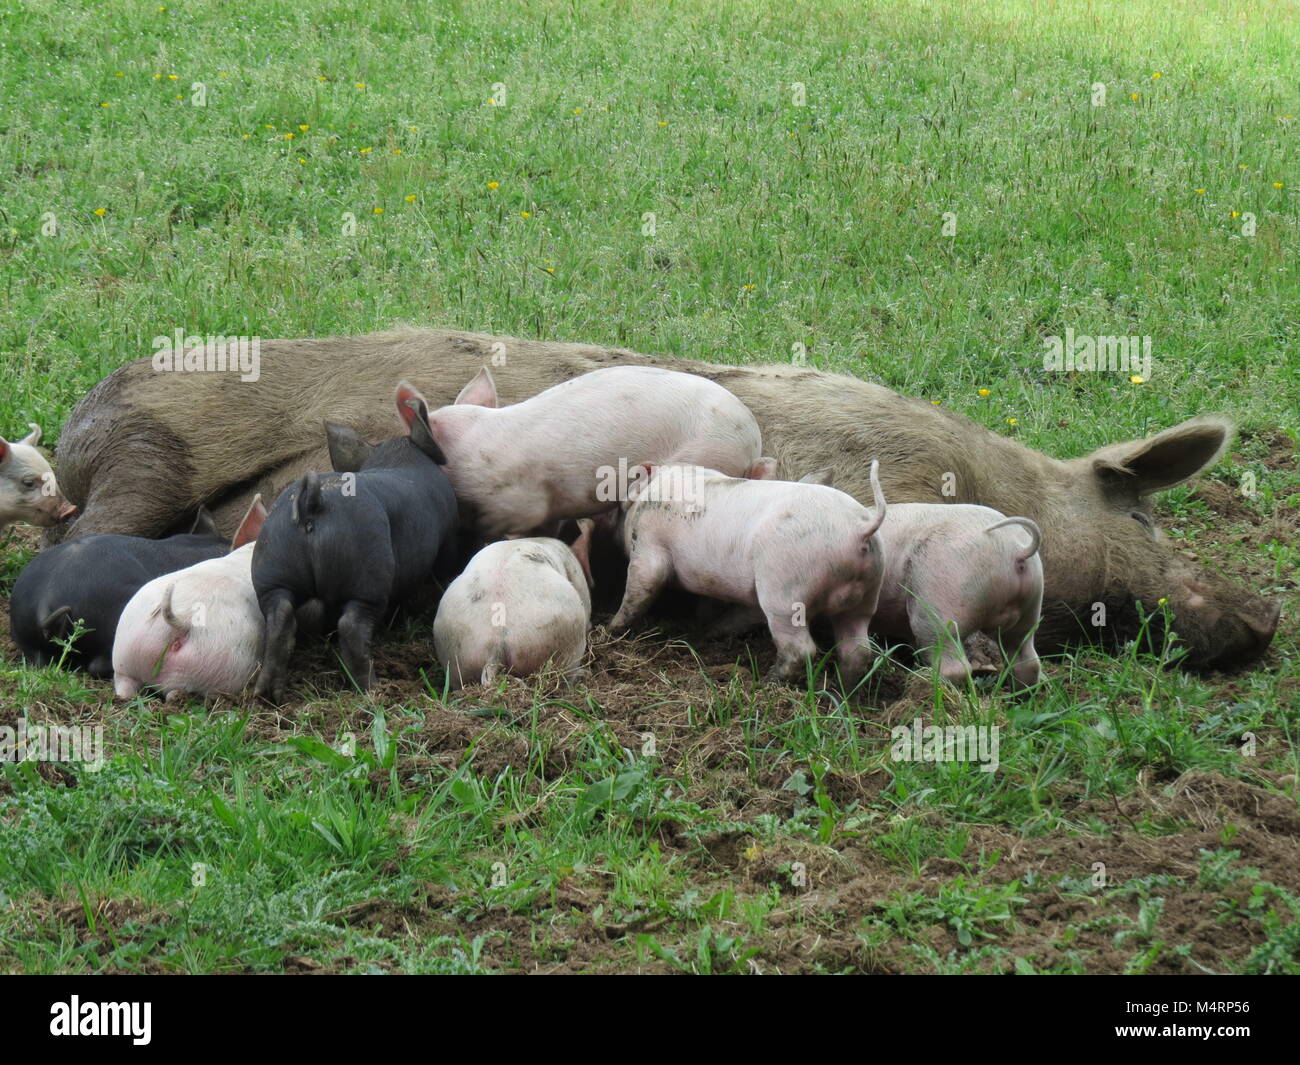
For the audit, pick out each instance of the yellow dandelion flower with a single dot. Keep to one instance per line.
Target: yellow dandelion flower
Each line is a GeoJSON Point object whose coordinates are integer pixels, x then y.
{"type": "Point", "coordinates": [1200, 192]}
{"type": "Point", "coordinates": [1241, 166]}
{"type": "Point", "coordinates": [119, 74]}
{"type": "Point", "coordinates": [525, 214]}
{"type": "Point", "coordinates": [577, 110]}
{"type": "Point", "coordinates": [1162, 600]}
{"type": "Point", "coordinates": [245, 136]}
{"type": "Point", "coordinates": [179, 96]}
{"type": "Point", "coordinates": [1137, 379]}
{"type": "Point", "coordinates": [157, 77]}
{"type": "Point", "coordinates": [750, 288]}
{"type": "Point", "coordinates": [1234, 214]}
{"type": "Point", "coordinates": [100, 211]}
{"type": "Point", "coordinates": [494, 185]}
{"type": "Point", "coordinates": [321, 77]}
{"type": "Point", "coordinates": [289, 136]}
{"type": "Point", "coordinates": [361, 85]}
{"type": "Point", "coordinates": [1013, 421]}
{"type": "Point", "coordinates": [410, 198]}
{"type": "Point", "coordinates": [397, 151]}
{"type": "Point", "coordinates": [1278, 184]}
{"type": "Point", "coordinates": [1132, 96]}
{"type": "Point", "coordinates": [936, 402]}
{"type": "Point", "coordinates": [663, 123]}
{"type": "Point", "coordinates": [377, 210]}
{"type": "Point", "coordinates": [269, 126]}
{"type": "Point", "coordinates": [492, 100]}
{"type": "Point", "coordinates": [1156, 74]}
{"type": "Point", "coordinates": [983, 391]}
{"type": "Point", "coordinates": [105, 105]}
{"type": "Point", "coordinates": [172, 77]}
{"type": "Point", "coordinates": [550, 269]}
{"type": "Point", "coordinates": [301, 159]}
{"type": "Point", "coordinates": [303, 129]}
{"type": "Point", "coordinates": [223, 74]}
{"type": "Point", "coordinates": [366, 151]}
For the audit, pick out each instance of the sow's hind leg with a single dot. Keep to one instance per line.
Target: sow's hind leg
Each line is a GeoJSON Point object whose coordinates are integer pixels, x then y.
{"type": "Point", "coordinates": [129, 474]}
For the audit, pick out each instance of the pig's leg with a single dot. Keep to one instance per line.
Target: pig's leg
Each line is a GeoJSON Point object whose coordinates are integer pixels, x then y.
{"type": "Point", "coordinates": [356, 627]}
{"type": "Point", "coordinates": [942, 637]}
{"type": "Point", "coordinates": [853, 647]}
{"type": "Point", "coordinates": [647, 573]}
{"type": "Point", "coordinates": [735, 620]}
{"type": "Point", "coordinates": [1025, 667]}
{"type": "Point", "coordinates": [281, 627]}
{"type": "Point", "coordinates": [789, 628]}
{"type": "Point", "coordinates": [101, 666]}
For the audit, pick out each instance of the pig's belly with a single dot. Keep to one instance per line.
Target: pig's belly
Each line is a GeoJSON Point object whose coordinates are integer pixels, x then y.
{"type": "Point", "coordinates": [729, 579]}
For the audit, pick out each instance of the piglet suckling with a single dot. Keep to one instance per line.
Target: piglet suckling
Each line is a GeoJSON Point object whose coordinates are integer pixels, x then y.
{"type": "Point", "coordinates": [29, 491]}
{"type": "Point", "coordinates": [520, 607]}
{"type": "Point", "coordinates": [796, 550]}
{"type": "Point", "coordinates": [350, 545]}
{"type": "Point", "coordinates": [198, 630]}
{"type": "Point", "coordinates": [88, 582]}
{"type": "Point", "coordinates": [953, 570]}
{"type": "Point", "coordinates": [568, 452]}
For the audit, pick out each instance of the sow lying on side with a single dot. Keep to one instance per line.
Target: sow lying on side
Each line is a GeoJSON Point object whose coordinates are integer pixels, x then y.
{"type": "Point", "coordinates": [136, 454]}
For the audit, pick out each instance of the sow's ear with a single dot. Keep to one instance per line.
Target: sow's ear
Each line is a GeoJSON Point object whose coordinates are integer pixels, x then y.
{"type": "Point", "coordinates": [347, 449]}
{"type": "Point", "coordinates": [481, 391]}
{"type": "Point", "coordinates": [826, 476]}
{"type": "Point", "coordinates": [1163, 460]}
{"type": "Point", "coordinates": [251, 525]}
{"type": "Point", "coordinates": [414, 412]}
{"type": "Point", "coordinates": [204, 524]}
{"type": "Point", "coordinates": [34, 437]}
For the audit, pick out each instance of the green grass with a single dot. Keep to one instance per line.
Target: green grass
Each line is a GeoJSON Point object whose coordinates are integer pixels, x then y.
{"type": "Point", "coordinates": [766, 830]}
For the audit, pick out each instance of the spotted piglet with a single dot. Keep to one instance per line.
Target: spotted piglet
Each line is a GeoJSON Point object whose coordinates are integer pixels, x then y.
{"type": "Point", "coordinates": [796, 550]}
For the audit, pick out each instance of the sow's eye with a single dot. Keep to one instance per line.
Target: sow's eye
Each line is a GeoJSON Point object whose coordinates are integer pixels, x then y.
{"type": "Point", "coordinates": [1142, 520]}
{"type": "Point", "coordinates": [29, 482]}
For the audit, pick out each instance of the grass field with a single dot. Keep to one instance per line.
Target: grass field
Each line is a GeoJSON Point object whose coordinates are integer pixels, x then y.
{"type": "Point", "coordinates": [724, 181]}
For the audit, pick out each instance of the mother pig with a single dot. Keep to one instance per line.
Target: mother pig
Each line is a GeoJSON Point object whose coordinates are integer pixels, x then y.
{"type": "Point", "coordinates": [146, 446]}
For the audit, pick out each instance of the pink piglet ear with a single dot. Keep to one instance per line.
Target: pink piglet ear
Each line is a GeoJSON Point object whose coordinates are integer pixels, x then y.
{"type": "Point", "coordinates": [411, 405]}
{"type": "Point", "coordinates": [251, 525]}
{"type": "Point", "coordinates": [481, 391]}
